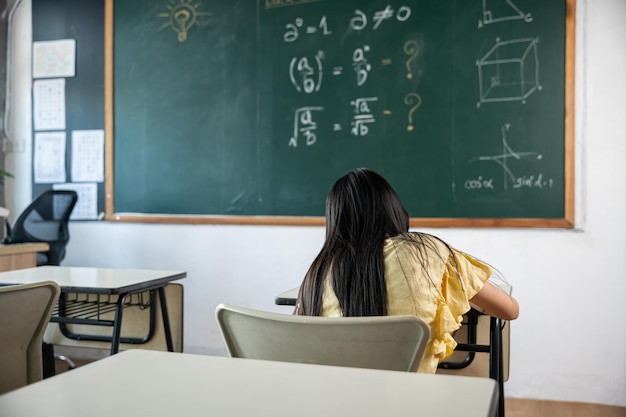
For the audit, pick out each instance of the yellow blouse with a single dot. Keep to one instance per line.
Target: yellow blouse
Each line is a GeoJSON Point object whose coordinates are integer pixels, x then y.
{"type": "Point", "coordinates": [426, 286]}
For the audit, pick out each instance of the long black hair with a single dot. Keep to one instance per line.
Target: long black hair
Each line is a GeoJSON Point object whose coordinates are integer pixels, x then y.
{"type": "Point", "coordinates": [362, 210]}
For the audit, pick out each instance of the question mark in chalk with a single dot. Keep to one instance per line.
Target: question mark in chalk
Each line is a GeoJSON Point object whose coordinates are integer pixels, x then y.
{"type": "Point", "coordinates": [411, 48]}
{"type": "Point", "coordinates": [415, 100]}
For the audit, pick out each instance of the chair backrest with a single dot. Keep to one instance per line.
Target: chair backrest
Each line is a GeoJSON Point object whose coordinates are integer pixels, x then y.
{"type": "Point", "coordinates": [25, 311]}
{"type": "Point", "coordinates": [383, 342]}
{"type": "Point", "coordinates": [46, 219]}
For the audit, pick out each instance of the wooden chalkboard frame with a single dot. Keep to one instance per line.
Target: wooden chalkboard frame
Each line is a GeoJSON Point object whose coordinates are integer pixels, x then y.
{"type": "Point", "coordinates": [566, 222]}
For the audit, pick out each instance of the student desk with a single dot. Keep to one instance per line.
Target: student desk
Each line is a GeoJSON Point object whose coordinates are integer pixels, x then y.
{"type": "Point", "coordinates": [20, 255]}
{"type": "Point", "coordinates": [158, 384]}
{"type": "Point", "coordinates": [98, 296]}
{"type": "Point", "coordinates": [494, 348]}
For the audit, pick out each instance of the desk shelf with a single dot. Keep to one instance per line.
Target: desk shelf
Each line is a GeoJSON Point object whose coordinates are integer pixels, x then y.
{"type": "Point", "coordinates": [90, 307]}
{"type": "Point", "coordinates": [100, 310]}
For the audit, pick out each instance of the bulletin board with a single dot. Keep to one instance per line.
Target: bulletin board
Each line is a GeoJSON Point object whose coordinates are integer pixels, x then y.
{"type": "Point", "coordinates": [68, 101]}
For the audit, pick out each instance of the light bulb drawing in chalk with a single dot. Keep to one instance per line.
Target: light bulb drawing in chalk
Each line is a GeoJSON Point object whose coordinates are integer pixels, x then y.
{"type": "Point", "coordinates": [412, 49]}
{"type": "Point", "coordinates": [182, 16]}
{"type": "Point", "coordinates": [414, 100]}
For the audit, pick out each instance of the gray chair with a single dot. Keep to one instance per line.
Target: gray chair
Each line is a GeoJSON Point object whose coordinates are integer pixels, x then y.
{"type": "Point", "coordinates": [384, 342]}
{"type": "Point", "coordinates": [25, 311]}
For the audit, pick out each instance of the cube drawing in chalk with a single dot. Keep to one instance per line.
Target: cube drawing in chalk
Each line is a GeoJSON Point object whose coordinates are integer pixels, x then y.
{"type": "Point", "coordinates": [509, 71]}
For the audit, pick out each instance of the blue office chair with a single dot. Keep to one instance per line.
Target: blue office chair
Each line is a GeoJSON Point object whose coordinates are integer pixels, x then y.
{"type": "Point", "coordinates": [46, 219]}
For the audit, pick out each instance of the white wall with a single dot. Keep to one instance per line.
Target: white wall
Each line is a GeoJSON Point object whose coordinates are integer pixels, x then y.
{"type": "Point", "coordinates": [570, 340]}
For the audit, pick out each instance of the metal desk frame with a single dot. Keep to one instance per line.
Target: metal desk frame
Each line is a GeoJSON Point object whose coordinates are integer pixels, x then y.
{"type": "Point", "coordinates": [88, 311]}
{"type": "Point", "coordinates": [113, 293]}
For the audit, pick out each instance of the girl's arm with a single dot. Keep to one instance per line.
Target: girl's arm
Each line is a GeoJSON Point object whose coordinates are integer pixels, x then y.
{"type": "Point", "coordinates": [495, 302]}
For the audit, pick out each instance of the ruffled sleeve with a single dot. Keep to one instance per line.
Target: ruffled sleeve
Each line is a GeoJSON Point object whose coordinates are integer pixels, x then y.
{"type": "Point", "coordinates": [473, 272]}
{"type": "Point", "coordinates": [443, 344]}
{"type": "Point", "coordinates": [456, 295]}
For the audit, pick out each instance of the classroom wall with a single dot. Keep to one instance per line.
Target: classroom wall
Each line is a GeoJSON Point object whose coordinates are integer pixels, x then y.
{"type": "Point", "coordinates": [570, 339]}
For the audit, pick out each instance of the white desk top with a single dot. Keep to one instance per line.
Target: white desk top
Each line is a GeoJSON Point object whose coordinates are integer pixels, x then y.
{"type": "Point", "coordinates": [152, 383]}
{"type": "Point", "coordinates": [288, 297]}
{"type": "Point", "coordinates": [92, 280]}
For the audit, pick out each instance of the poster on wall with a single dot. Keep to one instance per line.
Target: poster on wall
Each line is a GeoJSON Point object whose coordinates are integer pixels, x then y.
{"type": "Point", "coordinates": [86, 207]}
{"type": "Point", "coordinates": [55, 58]}
{"type": "Point", "coordinates": [49, 157]}
{"type": "Point", "coordinates": [87, 155]}
{"type": "Point", "coordinates": [49, 104]}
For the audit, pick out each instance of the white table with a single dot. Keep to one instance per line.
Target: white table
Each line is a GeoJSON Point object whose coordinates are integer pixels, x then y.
{"type": "Point", "coordinates": [152, 383]}
{"type": "Point", "coordinates": [88, 295]}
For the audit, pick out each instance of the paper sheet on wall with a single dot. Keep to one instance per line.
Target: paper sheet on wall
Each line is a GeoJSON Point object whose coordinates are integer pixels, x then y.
{"type": "Point", "coordinates": [88, 155]}
{"type": "Point", "coordinates": [49, 104]}
{"type": "Point", "coordinates": [86, 207]}
{"type": "Point", "coordinates": [54, 58]}
{"type": "Point", "coordinates": [49, 157]}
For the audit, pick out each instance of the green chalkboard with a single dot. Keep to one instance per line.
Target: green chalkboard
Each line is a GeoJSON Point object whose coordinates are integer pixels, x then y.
{"type": "Point", "coordinates": [248, 111]}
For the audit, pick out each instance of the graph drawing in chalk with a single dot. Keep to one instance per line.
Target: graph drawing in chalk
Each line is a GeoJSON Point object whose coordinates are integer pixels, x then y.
{"type": "Point", "coordinates": [507, 154]}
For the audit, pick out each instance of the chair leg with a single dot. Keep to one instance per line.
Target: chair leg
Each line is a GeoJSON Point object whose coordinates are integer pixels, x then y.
{"type": "Point", "coordinates": [47, 356]}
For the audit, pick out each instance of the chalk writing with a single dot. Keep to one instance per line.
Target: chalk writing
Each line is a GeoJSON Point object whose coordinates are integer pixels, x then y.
{"type": "Point", "coordinates": [533, 181]}
{"type": "Point", "coordinates": [360, 65]}
{"type": "Point", "coordinates": [411, 48]}
{"type": "Point", "coordinates": [362, 116]}
{"type": "Point", "coordinates": [293, 29]}
{"type": "Point", "coordinates": [306, 72]}
{"type": "Point", "coordinates": [503, 160]}
{"type": "Point", "coordinates": [304, 125]}
{"type": "Point", "coordinates": [359, 20]}
{"type": "Point", "coordinates": [495, 11]}
{"type": "Point", "coordinates": [479, 183]}
{"type": "Point", "coordinates": [305, 77]}
{"type": "Point", "coordinates": [415, 101]}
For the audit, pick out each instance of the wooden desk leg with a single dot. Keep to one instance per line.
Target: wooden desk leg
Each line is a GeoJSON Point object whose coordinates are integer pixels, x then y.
{"type": "Point", "coordinates": [495, 360]}
{"type": "Point", "coordinates": [166, 320]}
